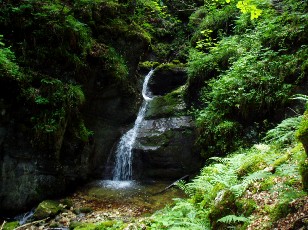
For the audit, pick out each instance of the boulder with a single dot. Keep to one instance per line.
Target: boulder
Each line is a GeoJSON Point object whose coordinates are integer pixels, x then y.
{"type": "Point", "coordinates": [164, 149]}
{"type": "Point", "coordinates": [169, 105]}
{"type": "Point", "coordinates": [47, 208]}
{"type": "Point", "coordinates": [166, 78]}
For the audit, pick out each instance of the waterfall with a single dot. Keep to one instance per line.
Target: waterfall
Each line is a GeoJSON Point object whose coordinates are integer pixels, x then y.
{"type": "Point", "coordinates": [123, 160]}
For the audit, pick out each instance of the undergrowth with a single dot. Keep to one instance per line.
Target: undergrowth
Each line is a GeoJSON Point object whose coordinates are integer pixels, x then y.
{"type": "Point", "coordinates": [241, 78]}
{"type": "Point", "coordinates": [234, 191]}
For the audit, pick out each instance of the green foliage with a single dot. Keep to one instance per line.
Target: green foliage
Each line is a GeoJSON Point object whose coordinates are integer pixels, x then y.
{"type": "Point", "coordinates": [302, 132]}
{"type": "Point", "coordinates": [202, 67]}
{"type": "Point", "coordinates": [220, 196]}
{"type": "Point", "coordinates": [106, 225]}
{"type": "Point", "coordinates": [212, 24]}
{"type": "Point", "coordinates": [82, 132]}
{"type": "Point", "coordinates": [246, 6]}
{"type": "Point", "coordinates": [53, 103]}
{"type": "Point", "coordinates": [284, 133]}
{"type": "Point", "coordinates": [245, 78]}
{"type": "Point", "coordinates": [251, 85]}
{"type": "Point", "coordinates": [182, 216]}
{"type": "Point", "coordinates": [215, 134]}
{"type": "Point", "coordinates": [11, 225]}
{"type": "Point", "coordinates": [233, 219]}
{"type": "Point", "coordinates": [115, 65]}
{"type": "Point", "coordinates": [8, 66]}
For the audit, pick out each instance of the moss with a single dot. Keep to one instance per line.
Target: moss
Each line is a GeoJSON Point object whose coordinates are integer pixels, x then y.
{"type": "Point", "coordinates": [282, 209]}
{"type": "Point", "coordinates": [157, 140]}
{"type": "Point", "coordinates": [172, 104]}
{"type": "Point", "coordinates": [74, 224]}
{"type": "Point", "coordinates": [171, 66]}
{"type": "Point", "coordinates": [108, 224]}
{"type": "Point", "coordinates": [83, 226]}
{"type": "Point", "coordinates": [67, 203]}
{"type": "Point", "coordinates": [86, 210]}
{"type": "Point", "coordinates": [147, 65]}
{"type": "Point", "coordinates": [246, 206]}
{"type": "Point", "coordinates": [47, 208]}
{"type": "Point", "coordinates": [253, 165]}
{"type": "Point", "coordinates": [281, 160]}
{"type": "Point", "coordinates": [11, 225]}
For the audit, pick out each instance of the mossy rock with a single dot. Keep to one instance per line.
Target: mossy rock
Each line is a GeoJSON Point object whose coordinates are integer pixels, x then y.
{"type": "Point", "coordinates": [224, 205]}
{"type": "Point", "coordinates": [148, 65]}
{"type": "Point", "coordinates": [280, 210]}
{"type": "Point", "coordinates": [83, 210]}
{"type": "Point", "coordinates": [304, 174]}
{"type": "Point", "coordinates": [67, 203]}
{"type": "Point", "coordinates": [167, 77]}
{"type": "Point", "coordinates": [172, 104]}
{"type": "Point", "coordinates": [158, 141]}
{"type": "Point", "coordinates": [11, 225]}
{"type": "Point", "coordinates": [47, 208]}
{"type": "Point", "coordinates": [302, 132]}
{"type": "Point", "coordinates": [246, 206]}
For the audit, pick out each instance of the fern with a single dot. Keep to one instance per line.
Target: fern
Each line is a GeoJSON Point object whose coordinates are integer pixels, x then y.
{"type": "Point", "coordinates": [233, 219]}
{"type": "Point", "coordinates": [284, 133]}
{"type": "Point", "coordinates": [300, 97]}
{"type": "Point", "coordinates": [239, 189]}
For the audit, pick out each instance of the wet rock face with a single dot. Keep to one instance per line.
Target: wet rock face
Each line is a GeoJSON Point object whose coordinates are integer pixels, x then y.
{"type": "Point", "coordinates": [165, 80]}
{"type": "Point", "coordinates": [165, 149]}
{"type": "Point", "coordinates": [28, 176]}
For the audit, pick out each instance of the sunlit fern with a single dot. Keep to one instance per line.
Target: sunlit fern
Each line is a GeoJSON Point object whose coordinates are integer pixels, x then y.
{"type": "Point", "coordinates": [284, 133]}
{"type": "Point", "coordinates": [233, 219]}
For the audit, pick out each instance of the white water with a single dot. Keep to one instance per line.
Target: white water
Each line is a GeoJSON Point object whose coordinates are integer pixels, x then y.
{"type": "Point", "coordinates": [124, 159]}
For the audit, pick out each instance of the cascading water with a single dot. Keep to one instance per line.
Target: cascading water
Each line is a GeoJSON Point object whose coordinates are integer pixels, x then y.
{"type": "Point", "coordinates": [123, 162]}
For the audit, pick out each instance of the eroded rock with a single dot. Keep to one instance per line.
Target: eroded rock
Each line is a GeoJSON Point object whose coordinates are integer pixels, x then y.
{"type": "Point", "coordinates": [164, 149]}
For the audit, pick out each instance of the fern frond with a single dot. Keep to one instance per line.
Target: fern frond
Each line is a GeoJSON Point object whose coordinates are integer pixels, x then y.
{"type": "Point", "coordinates": [220, 159]}
{"type": "Point", "coordinates": [300, 97]}
{"type": "Point", "coordinates": [256, 176]}
{"type": "Point", "coordinates": [233, 219]}
{"type": "Point", "coordinates": [238, 189]}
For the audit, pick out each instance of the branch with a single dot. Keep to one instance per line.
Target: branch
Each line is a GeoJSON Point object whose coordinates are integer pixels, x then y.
{"type": "Point", "coordinates": [2, 225]}
{"type": "Point", "coordinates": [193, 9]}
{"type": "Point", "coordinates": [34, 222]}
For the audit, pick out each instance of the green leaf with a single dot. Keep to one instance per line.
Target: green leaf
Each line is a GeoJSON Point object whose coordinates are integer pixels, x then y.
{"type": "Point", "coordinates": [233, 219]}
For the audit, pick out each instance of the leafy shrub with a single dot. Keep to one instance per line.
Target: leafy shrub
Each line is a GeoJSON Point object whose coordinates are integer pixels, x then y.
{"type": "Point", "coordinates": [202, 67]}
{"type": "Point", "coordinates": [252, 87]}
{"type": "Point", "coordinates": [8, 67]}
{"type": "Point", "coordinates": [219, 21]}
{"type": "Point", "coordinates": [217, 135]}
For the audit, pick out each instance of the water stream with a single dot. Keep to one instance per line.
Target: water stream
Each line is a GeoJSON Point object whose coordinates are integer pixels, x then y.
{"type": "Point", "coordinates": [123, 160]}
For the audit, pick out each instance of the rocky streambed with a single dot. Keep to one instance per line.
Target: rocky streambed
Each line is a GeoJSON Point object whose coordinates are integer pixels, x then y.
{"type": "Point", "coordinates": [105, 202]}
